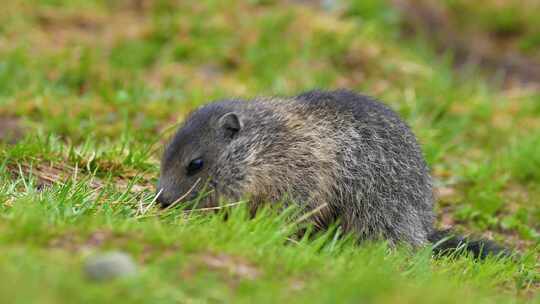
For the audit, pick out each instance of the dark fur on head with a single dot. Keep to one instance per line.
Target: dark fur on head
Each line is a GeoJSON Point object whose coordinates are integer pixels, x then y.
{"type": "Point", "coordinates": [204, 136]}
{"type": "Point", "coordinates": [346, 154]}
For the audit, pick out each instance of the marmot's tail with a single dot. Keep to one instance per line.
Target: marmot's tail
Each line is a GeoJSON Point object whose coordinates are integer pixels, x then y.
{"type": "Point", "coordinates": [446, 242]}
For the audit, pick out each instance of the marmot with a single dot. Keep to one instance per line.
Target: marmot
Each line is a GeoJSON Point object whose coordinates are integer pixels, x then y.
{"type": "Point", "coordinates": [346, 154]}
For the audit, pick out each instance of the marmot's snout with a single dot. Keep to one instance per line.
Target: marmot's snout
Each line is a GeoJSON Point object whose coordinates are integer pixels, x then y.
{"type": "Point", "coordinates": [165, 200]}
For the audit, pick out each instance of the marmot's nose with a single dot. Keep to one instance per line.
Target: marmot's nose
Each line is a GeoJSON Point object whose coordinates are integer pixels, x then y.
{"type": "Point", "coordinates": [163, 201]}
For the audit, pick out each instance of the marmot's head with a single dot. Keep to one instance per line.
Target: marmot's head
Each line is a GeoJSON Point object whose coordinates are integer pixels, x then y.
{"type": "Point", "coordinates": [190, 160]}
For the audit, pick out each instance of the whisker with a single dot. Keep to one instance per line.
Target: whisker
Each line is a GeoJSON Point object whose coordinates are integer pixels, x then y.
{"type": "Point", "coordinates": [218, 207]}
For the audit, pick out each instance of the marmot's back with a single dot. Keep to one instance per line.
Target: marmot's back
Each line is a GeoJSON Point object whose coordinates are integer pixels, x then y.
{"type": "Point", "coordinates": [388, 185]}
{"type": "Point", "coordinates": [338, 149]}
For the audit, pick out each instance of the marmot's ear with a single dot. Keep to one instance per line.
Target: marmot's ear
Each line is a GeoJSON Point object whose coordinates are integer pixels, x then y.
{"type": "Point", "coordinates": [231, 123]}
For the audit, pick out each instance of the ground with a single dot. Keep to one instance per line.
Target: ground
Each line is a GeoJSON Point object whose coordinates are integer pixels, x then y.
{"type": "Point", "coordinates": [91, 90]}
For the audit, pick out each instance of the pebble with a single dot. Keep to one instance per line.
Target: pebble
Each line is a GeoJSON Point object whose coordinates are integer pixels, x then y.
{"type": "Point", "coordinates": [109, 266]}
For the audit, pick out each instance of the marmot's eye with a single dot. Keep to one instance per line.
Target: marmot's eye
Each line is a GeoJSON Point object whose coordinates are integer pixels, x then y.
{"type": "Point", "coordinates": [195, 166]}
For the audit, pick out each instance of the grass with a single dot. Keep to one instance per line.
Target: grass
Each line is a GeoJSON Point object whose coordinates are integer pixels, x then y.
{"type": "Point", "coordinates": [98, 86]}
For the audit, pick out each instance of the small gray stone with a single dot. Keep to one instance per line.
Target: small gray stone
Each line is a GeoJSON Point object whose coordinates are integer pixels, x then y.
{"type": "Point", "coordinates": [108, 266]}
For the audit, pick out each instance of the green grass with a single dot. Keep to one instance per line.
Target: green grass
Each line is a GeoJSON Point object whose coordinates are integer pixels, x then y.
{"type": "Point", "coordinates": [98, 86]}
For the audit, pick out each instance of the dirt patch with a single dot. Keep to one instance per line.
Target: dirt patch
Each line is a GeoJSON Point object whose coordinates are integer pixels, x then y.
{"type": "Point", "coordinates": [71, 242]}
{"type": "Point", "coordinates": [11, 130]}
{"type": "Point", "coordinates": [234, 266]}
{"type": "Point", "coordinates": [481, 49]}
{"type": "Point", "coordinates": [53, 21]}
{"type": "Point", "coordinates": [76, 243]}
{"type": "Point", "coordinates": [61, 29]}
{"type": "Point", "coordinates": [49, 174]}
